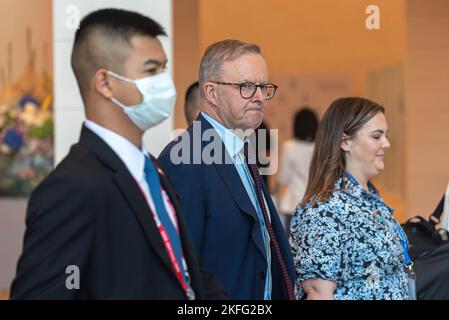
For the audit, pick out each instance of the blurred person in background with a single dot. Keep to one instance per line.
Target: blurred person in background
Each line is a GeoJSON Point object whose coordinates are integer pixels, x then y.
{"type": "Point", "coordinates": [192, 102]}
{"type": "Point", "coordinates": [295, 163]}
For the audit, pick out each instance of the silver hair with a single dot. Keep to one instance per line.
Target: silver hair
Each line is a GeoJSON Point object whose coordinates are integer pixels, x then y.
{"type": "Point", "coordinates": [219, 52]}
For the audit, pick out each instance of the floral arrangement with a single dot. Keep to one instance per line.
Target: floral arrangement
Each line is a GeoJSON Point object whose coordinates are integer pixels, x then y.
{"type": "Point", "coordinates": [26, 134]}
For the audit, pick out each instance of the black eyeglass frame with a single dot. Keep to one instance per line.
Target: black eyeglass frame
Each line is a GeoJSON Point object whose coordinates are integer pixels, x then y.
{"type": "Point", "coordinates": [240, 85]}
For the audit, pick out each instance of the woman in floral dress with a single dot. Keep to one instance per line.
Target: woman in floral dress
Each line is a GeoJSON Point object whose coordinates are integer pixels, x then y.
{"type": "Point", "coordinates": [345, 242]}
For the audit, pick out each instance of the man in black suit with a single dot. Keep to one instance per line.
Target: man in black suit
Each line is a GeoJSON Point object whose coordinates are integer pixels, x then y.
{"type": "Point", "coordinates": [105, 224]}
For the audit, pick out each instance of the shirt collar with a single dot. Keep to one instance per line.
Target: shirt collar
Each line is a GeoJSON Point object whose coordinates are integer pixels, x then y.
{"type": "Point", "coordinates": [131, 156]}
{"type": "Point", "coordinates": [348, 184]}
{"type": "Point", "coordinates": [371, 188]}
{"type": "Point", "coordinates": [233, 143]}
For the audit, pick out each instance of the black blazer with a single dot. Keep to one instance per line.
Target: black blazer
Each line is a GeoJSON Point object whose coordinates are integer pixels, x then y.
{"type": "Point", "coordinates": [90, 213]}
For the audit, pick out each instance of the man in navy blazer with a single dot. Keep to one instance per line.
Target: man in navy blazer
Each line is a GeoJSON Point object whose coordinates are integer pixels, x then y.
{"type": "Point", "coordinates": [218, 194]}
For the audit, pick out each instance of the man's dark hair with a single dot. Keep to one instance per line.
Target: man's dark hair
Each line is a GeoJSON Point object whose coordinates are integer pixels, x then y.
{"type": "Point", "coordinates": [192, 101]}
{"type": "Point", "coordinates": [103, 40]}
{"type": "Point", "coordinates": [305, 124]}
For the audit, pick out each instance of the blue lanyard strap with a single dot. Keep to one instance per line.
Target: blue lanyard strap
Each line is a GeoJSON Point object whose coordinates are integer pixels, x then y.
{"type": "Point", "coordinates": [407, 260]}
{"type": "Point", "coordinates": [404, 242]}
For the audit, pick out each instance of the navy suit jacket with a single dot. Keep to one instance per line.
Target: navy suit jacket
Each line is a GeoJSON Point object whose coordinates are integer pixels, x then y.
{"type": "Point", "coordinates": [221, 218]}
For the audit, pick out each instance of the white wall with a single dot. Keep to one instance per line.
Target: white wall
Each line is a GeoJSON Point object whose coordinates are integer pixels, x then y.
{"type": "Point", "coordinates": [69, 112]}
{"type": "Point", "coordinates": [12, 228]}
{"type": "Point", "coordinates": [68, 108]}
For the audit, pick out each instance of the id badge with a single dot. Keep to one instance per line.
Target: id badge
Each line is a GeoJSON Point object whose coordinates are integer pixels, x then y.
{"type": "Point", "coordinates": [411, 277]}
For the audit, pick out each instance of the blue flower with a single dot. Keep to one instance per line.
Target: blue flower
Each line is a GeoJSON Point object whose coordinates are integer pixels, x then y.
{"type": "Point", "coordinates": [28, 99]}
{"type": "Point", "coordinates": [13, 139]}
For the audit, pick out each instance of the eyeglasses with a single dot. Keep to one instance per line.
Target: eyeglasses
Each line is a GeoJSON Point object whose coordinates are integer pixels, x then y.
{"type": "Point", "coordinates": [248, 89]}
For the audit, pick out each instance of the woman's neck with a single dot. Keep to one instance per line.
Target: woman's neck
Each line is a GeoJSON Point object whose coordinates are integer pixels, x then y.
{"type": "Point", "coordinates": [361, 179]}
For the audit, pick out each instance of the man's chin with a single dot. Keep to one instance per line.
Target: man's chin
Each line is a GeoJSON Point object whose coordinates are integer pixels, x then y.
{"type": "Point", "coordinates": [256, 124]}
{"type": "Point", "coordinates": [255, 118]}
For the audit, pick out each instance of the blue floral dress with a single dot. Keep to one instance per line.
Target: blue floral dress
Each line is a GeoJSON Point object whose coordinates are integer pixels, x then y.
{"type": "Point", "coordinates": [350, 239]}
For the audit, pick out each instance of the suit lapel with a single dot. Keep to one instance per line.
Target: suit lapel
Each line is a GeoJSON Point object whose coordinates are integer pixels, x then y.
{"type": "Point", "coordinates": [235, 187]}
{"type": "Point", "coordinates": [136, 200]}
{"type": "Point", "coordinates": [237, 190]}
{"type": "Point", "coordinates": [187, 246]}
{"type": "Point", "coordinates": [130, 190]}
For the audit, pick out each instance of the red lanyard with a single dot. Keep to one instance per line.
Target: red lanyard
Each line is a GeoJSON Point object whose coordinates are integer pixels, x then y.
{"type": "Point", "coordinates": [171, 254]}
{"type": "Point", "coordinates": [167, 242]}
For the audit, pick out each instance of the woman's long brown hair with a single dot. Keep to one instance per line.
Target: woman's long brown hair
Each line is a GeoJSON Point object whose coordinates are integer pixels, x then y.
{"type": "Point", "coordinates": [344, 116]}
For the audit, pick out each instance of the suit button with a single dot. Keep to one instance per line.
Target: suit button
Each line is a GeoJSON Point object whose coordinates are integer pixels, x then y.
{"type": "Point", "coordinates": [262, 275]}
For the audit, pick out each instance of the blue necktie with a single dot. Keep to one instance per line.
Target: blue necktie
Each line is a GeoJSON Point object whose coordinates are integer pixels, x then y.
{"type": "Point", "coordinates": [154, 183]}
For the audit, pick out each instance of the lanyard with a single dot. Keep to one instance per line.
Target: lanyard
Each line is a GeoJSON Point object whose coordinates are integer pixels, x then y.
{"type": "Point", "coordinates": [354, 181]}
{"type": "Point", "coordinates": [407, 260]}
{"type": "Point", "coordinates": [175, 255]}
{"type": "Point", "coordinates": [181, 274]}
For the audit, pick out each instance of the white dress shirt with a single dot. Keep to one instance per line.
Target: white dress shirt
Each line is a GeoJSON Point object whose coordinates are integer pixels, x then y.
{"type": "Point", "coordinates": [134, 160]}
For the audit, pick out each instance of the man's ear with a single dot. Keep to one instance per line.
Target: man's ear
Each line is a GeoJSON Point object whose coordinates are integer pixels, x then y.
{"type": "Point", "coordinates": [210, 92]}
{"type": "Point", "coordinates": [346, 143]}
{"type": "Point", "coordinates": [101, 81]}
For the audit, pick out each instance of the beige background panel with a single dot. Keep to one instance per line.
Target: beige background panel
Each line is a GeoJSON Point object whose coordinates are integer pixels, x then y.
{"type": "Point", "coordinates": [426, 104]}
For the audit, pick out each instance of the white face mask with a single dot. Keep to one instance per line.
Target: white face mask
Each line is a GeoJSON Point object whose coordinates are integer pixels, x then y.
{"type": "Point", "coordinates": [159, 95]}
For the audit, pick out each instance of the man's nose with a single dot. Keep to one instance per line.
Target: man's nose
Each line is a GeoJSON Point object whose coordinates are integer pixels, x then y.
{"type": "Point", "coordinates": [259, 95]}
